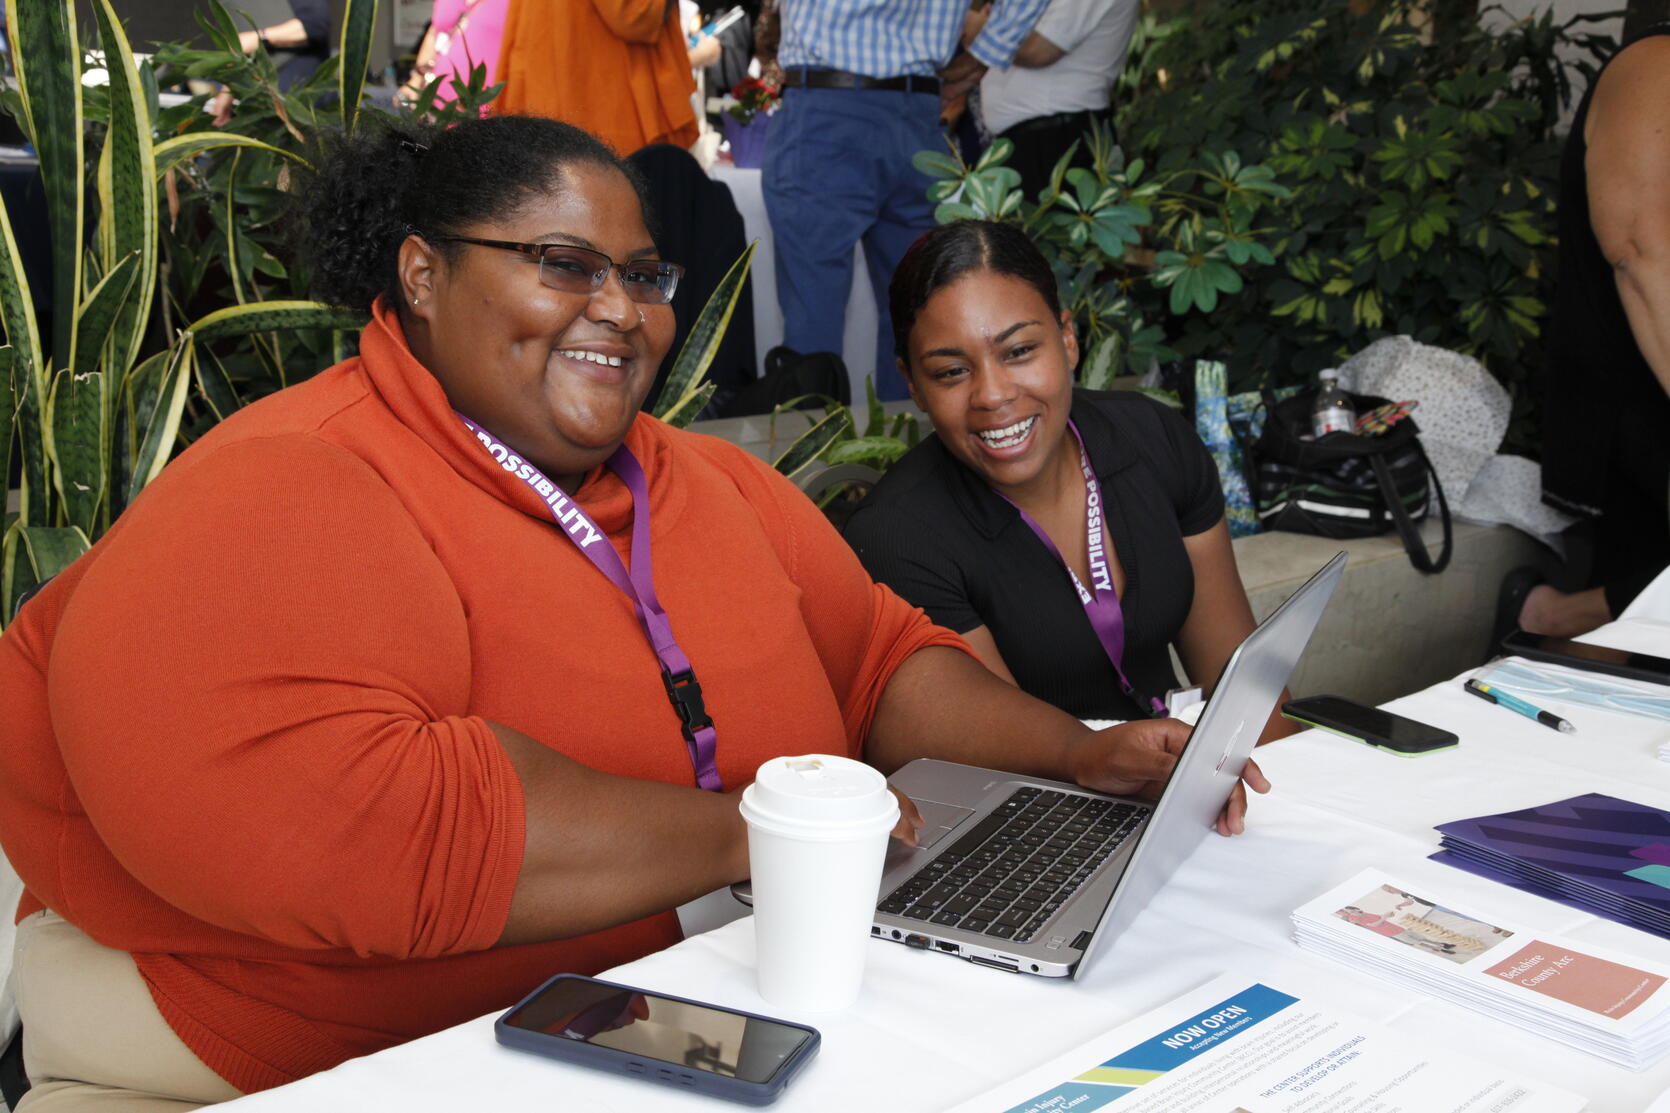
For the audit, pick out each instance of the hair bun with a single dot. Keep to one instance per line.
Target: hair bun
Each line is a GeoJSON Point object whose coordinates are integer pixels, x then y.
{"type": "Point", "coordinates": [351, 212]}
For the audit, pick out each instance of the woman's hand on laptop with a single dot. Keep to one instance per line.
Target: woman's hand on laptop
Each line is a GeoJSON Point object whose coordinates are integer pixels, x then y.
{"type": "Point", "coordinates": [1137, 758]}
{"type": "Point", "coordinates": [1130, 759]}
{"type": "Point", "coordinates": [943, 703]}
{"type": "Point", "coordinates": [910, 819]}
{"type": "Point", "coordinates": [1233, 820]}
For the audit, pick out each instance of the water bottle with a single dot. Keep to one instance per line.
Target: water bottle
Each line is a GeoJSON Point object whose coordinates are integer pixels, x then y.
{"type": "Point", "coordinates": [1333, 412]}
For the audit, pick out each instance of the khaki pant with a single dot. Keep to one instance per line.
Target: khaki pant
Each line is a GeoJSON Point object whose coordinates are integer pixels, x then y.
{"type": "Point", "coordinates": [93, 1040]}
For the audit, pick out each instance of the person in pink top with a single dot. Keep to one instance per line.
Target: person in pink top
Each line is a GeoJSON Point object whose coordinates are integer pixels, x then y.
{"type": "Point", "coordinates": [462, 35]}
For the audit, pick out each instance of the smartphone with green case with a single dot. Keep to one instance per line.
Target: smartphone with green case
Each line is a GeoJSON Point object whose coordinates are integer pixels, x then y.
{"type": "Point", "coordinates": [1383, 730]}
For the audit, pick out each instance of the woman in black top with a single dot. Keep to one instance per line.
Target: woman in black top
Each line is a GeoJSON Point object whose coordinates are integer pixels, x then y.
{"type": "Point", "coordinates": [1605, 455]}
{"type": "Point", "coordinates": [964, 526]}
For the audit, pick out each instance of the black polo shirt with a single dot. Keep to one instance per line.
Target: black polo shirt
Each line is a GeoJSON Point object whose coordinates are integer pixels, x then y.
{"type": "Point", "coordinates": [936, 534]}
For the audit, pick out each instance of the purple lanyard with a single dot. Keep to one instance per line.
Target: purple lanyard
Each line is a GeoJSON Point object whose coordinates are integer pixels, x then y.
{"type": "Point", "coordinates": [1101, 604]}
{"type": "Point", "coordinates": [677, 675]}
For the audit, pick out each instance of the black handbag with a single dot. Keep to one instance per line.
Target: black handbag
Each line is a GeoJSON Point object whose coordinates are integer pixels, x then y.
{"type": "Point", "coordinates": [790, 376]}
{"type": "Point", "coordinates": [1345, 485]}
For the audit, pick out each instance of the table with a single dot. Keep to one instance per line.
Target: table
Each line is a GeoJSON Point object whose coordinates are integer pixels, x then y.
{"type": "Point", "coordinates": [931, 1031]}
{"type": "Point", "coordinates": [858, 341]}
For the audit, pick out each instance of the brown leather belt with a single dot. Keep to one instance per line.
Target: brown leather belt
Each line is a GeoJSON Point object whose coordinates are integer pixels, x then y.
{"type": "Point", "coordinates": [841, 79]}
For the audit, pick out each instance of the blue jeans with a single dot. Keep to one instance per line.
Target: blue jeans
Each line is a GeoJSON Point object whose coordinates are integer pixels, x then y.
{"type": "Point", "coordinates": [837, 170]}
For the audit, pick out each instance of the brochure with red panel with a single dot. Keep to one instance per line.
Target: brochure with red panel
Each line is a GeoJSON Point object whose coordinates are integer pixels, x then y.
{"type": "Point", "coordinates": [1606, 1002]}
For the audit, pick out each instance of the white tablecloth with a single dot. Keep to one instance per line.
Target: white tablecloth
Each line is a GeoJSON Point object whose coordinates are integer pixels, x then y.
{"type": "Point", "coordinates": [858, 342]}
{"type": "Point", "coordinates": [1654, 603]}
{"type": "Point", "coordinates": [931, 1031]}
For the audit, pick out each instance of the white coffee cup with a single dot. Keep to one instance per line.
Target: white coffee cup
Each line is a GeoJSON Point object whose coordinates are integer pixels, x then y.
{"type": "Point", "coordinates": [817, 837]}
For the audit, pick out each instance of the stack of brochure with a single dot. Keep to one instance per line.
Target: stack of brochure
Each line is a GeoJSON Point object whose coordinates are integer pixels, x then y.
{"type": "Point", "coordinates": [1613, 1005]}
{"type": "Point", "coordinates": [1607, 856]}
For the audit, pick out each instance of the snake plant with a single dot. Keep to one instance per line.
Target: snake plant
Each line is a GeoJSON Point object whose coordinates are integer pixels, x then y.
{"type": "Point", "coordinates": [94, 409]}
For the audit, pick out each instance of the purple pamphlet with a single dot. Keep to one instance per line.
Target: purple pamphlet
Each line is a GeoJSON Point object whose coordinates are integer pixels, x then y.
{"type": "Point", "coordinates": [1653, 852]}
{"type": "Point", "coordinates": [1607, 856]}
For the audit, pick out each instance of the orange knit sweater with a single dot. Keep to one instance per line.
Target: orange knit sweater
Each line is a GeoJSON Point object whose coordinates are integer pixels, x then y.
{"type": "Point", "coordinates": [244, 738]}
{"type": "Point", "coordinates": [618, 68]}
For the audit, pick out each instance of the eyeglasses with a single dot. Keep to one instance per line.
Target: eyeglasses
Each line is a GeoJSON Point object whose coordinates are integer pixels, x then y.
{"type": "Point", "coordinates": [578, 270]}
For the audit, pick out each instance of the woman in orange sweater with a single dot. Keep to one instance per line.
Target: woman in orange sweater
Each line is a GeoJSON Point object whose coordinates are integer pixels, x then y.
{"type": "Point", "coordinates": [349, 730]}
{"type": "Point", "coordinates": [618, 68]}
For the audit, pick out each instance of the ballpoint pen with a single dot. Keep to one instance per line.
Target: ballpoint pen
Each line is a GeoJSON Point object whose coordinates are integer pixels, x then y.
{"type": "Point", "coordinates": [1514, 703]}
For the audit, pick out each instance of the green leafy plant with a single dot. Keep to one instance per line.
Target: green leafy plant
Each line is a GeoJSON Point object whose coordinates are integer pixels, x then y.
{"type": "Point", "coordinates": [95, 409]}
{"type": "Point", "coordinates": [169, 240]}
{"type": "Point", "coordinates": [1118, 228]}
{"type": "Point", "coordinates": [833, 438]}
{"type": "Point", "coordinates": [1422, 171]}
{"type": "Point", "coordinates": [225, 239]}
{"type": "Point", "coordinates": [688, 390]}
{"type": "Point", "coordinates": [835, 463]}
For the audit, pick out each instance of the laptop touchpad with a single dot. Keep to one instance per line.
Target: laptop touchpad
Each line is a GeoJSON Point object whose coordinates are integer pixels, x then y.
{"type": "Point", "coordinates": [941, 818]}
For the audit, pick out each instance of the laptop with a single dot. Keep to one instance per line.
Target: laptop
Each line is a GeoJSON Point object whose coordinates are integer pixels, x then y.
{"type": "Point", "coordinates": [1031, 875]}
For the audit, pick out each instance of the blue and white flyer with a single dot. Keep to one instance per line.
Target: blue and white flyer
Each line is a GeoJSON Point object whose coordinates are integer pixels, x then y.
{"type": "Point", "coordinates": [1237, 1047]}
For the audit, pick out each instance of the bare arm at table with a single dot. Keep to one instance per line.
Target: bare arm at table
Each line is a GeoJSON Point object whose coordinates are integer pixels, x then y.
{"type": "Point", "coordinates": [1628, 163]}
{"type": "Point", "coordinates": [310, 745]}
{"type": "Point", "coordinates": [984, 645]}
{"type": "Point", "coordinates": [1220, 618]}
{"type": "Point", "coordinates": [602, 850]}
{"type": "Point", "coordinates": [943, 704]}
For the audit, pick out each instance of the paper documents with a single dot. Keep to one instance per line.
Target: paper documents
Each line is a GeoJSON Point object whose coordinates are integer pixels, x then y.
{"type": "Point", "coordinates": [1237, 1047]}
{"type": "Point", "coordinates": [1595, 999]}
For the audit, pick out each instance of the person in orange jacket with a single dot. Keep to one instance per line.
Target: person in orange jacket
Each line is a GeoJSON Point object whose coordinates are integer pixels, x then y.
{"type": "Point", "coordinates": [617, 68]}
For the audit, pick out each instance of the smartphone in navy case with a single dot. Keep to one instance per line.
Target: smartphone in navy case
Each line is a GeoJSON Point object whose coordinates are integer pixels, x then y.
{"type": "Point", "coordinates": [726, 1053]}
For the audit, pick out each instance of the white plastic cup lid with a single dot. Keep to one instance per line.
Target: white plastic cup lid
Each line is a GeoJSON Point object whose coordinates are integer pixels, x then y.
{"type": "Point", "coordinates": [819, 793]}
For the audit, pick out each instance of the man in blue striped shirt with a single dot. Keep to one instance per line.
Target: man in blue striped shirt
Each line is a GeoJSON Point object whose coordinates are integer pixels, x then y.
{"type": "Point", "coordinates": [863, 85]}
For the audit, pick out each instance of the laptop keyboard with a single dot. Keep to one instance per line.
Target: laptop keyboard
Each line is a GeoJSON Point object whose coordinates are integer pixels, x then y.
{"type": "Point", "coordinates": [1010, 873]}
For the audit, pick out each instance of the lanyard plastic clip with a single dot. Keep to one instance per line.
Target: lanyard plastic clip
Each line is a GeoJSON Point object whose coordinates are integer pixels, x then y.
{"type": "Point", "coordinates": [685, 694]}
